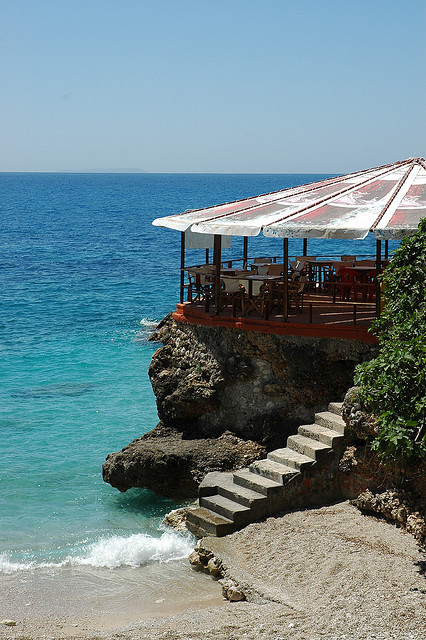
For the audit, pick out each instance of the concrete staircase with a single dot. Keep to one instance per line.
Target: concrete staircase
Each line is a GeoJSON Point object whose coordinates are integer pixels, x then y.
{"type": "Point", "coordinates": [301, 474]}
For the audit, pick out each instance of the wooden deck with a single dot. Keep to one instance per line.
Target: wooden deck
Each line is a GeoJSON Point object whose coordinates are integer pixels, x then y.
{"type": "Point", "coordinates": [320, 318]}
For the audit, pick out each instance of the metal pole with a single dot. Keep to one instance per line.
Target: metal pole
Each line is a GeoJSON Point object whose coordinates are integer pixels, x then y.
{"type": "Point", "coordinates": [285, 278]}
{"type": "Point", "coordinates": [378, 271]}
{"type": "Point", "coordinates": [217, 259]}
{"type": "Point", "coordinates": [386, 249]}
{"type": "Point", "coordinates": [245, 252]}
{"type": "Point", "coordinates": [207, 256]}
{"type": "Point", "coordinates": [182, 264]}
{"type": "Point", "coordinates": [305, 246]}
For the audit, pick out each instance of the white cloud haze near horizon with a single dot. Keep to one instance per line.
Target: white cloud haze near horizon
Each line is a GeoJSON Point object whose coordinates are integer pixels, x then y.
{"type": "Point", "coordinates": [236, 86]}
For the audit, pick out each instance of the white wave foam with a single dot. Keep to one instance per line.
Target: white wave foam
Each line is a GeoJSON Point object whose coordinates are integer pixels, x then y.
{"type": "Point", "coordinates": [148, 322]}
{"type": "Point", "coordinates": [117, 551]}
{"type": "Point", "coordinates": [135, 550]}
{"type": "Point", "coordinates": [7, 566]}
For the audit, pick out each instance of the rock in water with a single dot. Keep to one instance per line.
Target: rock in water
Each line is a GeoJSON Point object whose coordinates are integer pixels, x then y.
{"type": "Point", "coordinates": [169, 465]}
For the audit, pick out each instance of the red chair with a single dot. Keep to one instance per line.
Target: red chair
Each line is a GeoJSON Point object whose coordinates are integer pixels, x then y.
{"type": "Point", "coordinates": [371, 282]}
{"type": "Point", "coordinates": [347, 283]}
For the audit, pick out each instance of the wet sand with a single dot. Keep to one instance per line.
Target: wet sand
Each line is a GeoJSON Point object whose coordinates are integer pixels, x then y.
{"type": "Point", "coordinates": [75, 601]}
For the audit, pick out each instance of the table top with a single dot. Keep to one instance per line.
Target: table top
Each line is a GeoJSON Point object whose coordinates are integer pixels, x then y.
{"type": "Point", "coordinates": [264, 278]}
{"type": "Point", "coordinates": [360, 268]}
{"type": "Point", "coordinates": [199, 269]}
{"type": "Point", "coordinates": [320, 262]}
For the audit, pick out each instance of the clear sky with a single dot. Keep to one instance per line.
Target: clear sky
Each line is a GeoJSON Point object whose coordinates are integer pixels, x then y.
{"type": "Point", "coordinates": [223, 86]}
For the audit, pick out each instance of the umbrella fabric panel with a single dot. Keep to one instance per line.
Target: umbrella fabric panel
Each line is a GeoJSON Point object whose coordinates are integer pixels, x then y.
{"type": "Point", "coordinates": [250, 221]}
{"type": "Point", "coordinates": [388, 200]}
{"type": "Point", "coordinates": [349, 216]}
{"type": "Point", "coordinates": [182, 221]}
{"type": "Point", "coordinates": [405, 220]}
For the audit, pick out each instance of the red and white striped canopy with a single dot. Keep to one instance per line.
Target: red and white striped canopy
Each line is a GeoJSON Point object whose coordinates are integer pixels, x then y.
{"type": "Point", "coordinates": [388, 201]}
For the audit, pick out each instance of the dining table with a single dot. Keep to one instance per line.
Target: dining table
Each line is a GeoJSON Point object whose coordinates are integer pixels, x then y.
{"type": "Point", "coordinates": [258, 278]}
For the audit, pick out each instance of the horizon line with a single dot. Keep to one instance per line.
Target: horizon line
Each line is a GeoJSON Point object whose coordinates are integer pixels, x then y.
{"type": "Point", "coordinates": [223, 173]}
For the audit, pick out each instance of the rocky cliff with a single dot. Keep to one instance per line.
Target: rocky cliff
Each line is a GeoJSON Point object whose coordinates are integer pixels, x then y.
{"type": "Point", "coordinates": [225, 397]}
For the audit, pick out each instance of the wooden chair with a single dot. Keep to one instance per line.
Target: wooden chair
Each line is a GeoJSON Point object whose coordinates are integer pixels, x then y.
{"type": "Point", "coordinates": [365, 263]}
{"type": "Point", "coordinates": [275, 269]}
{"type": "Point", "coordinates": [297, 268]}
{"type": "Point", "coordinates": [258, 299]}
{"type": "Point", "coordinates": [329, 280]}
{"type": "Point", "coordinates": [296, 291]}
{"type": "Point", "coordinates": [231, 294]}
{"type": "Point", "coordinates": [200, 284]}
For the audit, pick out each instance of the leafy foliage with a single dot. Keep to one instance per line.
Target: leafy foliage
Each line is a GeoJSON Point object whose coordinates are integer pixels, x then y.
{"type": "Point", "coordinates": [393, 385]}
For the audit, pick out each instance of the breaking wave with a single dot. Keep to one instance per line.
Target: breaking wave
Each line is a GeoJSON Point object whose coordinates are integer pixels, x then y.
{"type": "Point", "coordinates": [134, 551]}
{"type": "Point", "coordinates": [148, 322]}
{"type": "Point", "coordinates": [117, 551]}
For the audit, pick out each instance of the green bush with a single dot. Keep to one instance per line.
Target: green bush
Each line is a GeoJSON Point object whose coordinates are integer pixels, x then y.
{"type": "Point", "coordinates": [393, 385]}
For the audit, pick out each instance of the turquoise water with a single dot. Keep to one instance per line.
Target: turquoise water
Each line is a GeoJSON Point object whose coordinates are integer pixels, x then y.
{"type": "Point", "coordinates": [84, 277]}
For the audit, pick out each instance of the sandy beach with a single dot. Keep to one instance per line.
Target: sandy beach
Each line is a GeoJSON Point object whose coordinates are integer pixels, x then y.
{"type": "Point", "coordinates": [321, 573]}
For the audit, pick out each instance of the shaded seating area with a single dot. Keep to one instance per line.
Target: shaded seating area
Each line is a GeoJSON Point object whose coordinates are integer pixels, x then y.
{"type": "Point", "coordinates": [386, 202]}
{"type": "Point", "coordinates": [259, 289]}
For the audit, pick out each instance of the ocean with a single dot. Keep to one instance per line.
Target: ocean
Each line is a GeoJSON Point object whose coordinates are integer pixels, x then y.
{"type": "Point", "coordinates": [84, 278]}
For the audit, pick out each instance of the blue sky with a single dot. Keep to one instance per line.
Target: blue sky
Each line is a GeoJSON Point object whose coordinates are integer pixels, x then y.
{"type": "Point", "coordinates": [223, 86]}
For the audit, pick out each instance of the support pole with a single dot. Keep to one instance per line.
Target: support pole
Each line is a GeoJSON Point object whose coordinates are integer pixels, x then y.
{"type": "Point", "coordinates": [305, 246]}
{"type": "Point", "coordinates": [207, 256]}
{"type": "Point", "coordinates": [217, 259]}
{"type": "Point", "coordinates": [285, 277]}
{"type": "Point", "coordinates": [245, 252]}
{"type": "Point", "coordinates": [378, 272]}
{"type": "Point", "coordinates": [386, 249]}
{"type": "Point", "coordinates": [182, 265]}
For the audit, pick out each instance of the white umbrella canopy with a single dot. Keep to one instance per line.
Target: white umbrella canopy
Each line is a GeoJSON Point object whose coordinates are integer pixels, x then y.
{"type": "Point", "coordinates": [389, 201]}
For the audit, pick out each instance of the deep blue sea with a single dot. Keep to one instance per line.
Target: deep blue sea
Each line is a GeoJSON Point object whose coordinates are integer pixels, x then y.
{"type": "Point", "coordinates": [84, 277]}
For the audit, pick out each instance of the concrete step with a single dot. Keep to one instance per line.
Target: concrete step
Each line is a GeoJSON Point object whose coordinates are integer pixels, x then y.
{"type": "Point", "coordinates": [308, 447]}
{"type": "Point", "coordinates": [331, 421]}
{"type": "Point", "coordinates": [230, 501]}
{"type": "Point", "coordinates": [335, 407]}
{"type": "Point", "coordinates": [209, 484]}
{"type": "Point", "coordinates": [247, 497]}
{"type": "Point", "coordinates": [237, 513]}
{"type": "Point", "coordinates": [203, 522]}
{"type": "Point", "coordinates": [322, 434]}
{"type": "Point", "coordinates": [291, 458]}
{"type": "Point", "coordinates": [273, 470]}
{"type": "Point", "coordinates": [222, 483]}
{"type": "Point", "coordinates": [255, 482]}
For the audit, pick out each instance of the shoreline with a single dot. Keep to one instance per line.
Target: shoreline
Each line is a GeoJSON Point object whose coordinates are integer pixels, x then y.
{"type": "Point", "coordinates": [328, 572]}
{"type": "Point", "coordinates": [69, 602]}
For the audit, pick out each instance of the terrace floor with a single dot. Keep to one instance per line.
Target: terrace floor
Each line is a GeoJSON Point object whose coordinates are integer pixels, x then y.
{"type": "Point", "coordinates": [320, 317]}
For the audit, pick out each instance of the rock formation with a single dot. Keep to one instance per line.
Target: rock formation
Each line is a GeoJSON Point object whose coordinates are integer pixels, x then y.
{"type": "Point", "coordinates": [225, 397]}
{"type": "Point", "coordinates": [162, 460]}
